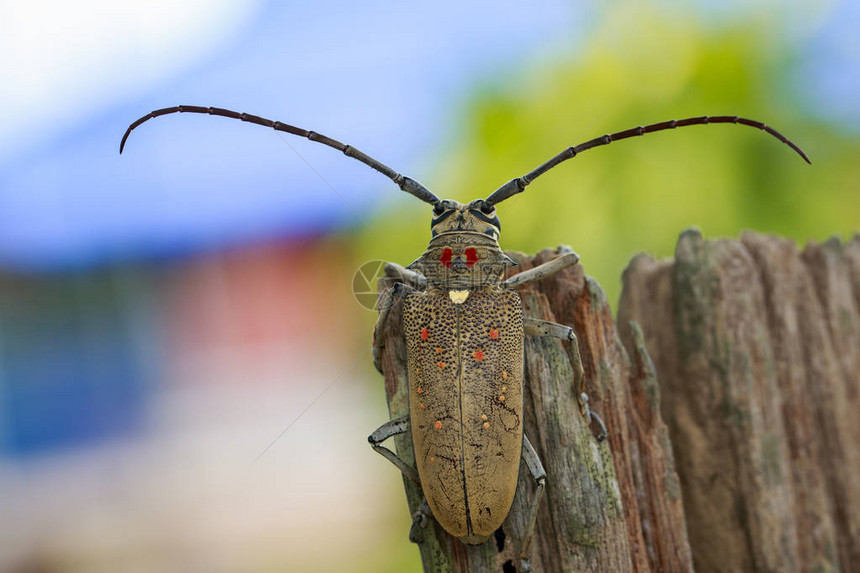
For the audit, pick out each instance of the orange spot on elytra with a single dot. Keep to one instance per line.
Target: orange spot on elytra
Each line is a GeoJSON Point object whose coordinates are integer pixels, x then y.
{"type": "Point", "coordinates": [438, 351]}
{"type": "Point", "coordinates": [494, 333]}
{"type": "Point", "coordinates": [438, 425]}
{"type": "Point", "coordinates": [504, 388]}
{"type": "Point", "coordinates": [441, 365]}
{"type": "Point", "coordinates": [432, 459]}
{"type": "Point", "coordinates": [425, 334]}
{"type": "Point", "coordinates": [486, 424]}
{"type": "Point", "coordinates": [479, 355]}
{"type": "Point", "coordinates": [505, 374]}
{"type": "Point", "coordinates": [483, 417]}
{"type": "Point", "coordinates": [502, 398]}
{"type": "Point", "coordinates": [421, 406]}
{"type": "Point", "coordinates": [420, 390]}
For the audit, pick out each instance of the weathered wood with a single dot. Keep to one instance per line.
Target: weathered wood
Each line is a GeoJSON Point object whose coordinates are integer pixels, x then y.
{"type": "Point", "coordinates": [608, 507]}
{"type": "Point", "coordinates": [757, 347]}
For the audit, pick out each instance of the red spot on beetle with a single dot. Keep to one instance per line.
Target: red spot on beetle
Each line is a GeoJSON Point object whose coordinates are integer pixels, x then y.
{"type": "Point", "coordinates": [441, 364]}
{"type": "Point", "coordinates": [445, 259]}
{"type": "Point", "coordinates": [420, 390]}
{"type": "Point", "coordinates": [438, 425]}
{"type": "Point", "coordinates": [494, 333]}
{"type": "Point", "coordinates": [471, 257]}
{"type": "Point", "coordinates": [425, 334]}
{"type": "Point", "coordinates": [438, 351]}
{"type": "Point", "coordinates": [479, 355]}
{"type": "Point", "coordinates": [421, 406]}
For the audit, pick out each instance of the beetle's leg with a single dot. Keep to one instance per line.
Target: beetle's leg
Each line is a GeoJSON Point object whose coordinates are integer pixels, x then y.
{"type": "Point", "coordinates": [385, 304]}
{"type": "Point", "coordinates": [567, 259]}
{"type": "Point", "coordinates": [537, 472]}
{"type": "Point", "coordinates": [538, 327]}
{"type": "Point", "coordinates": [592, 416]}
{"type": "Point", "coordinates": [385, 431]}
{"type": "Point", "coordinates": [408, 276]}
{"type": "Point", "coordinates": [392, 428]}
{"type": "Point", "coordinates": [420, 519]}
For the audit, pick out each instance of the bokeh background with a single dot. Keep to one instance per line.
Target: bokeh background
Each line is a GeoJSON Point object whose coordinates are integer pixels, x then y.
{"type": "Point", "coordinates": [185, 382]}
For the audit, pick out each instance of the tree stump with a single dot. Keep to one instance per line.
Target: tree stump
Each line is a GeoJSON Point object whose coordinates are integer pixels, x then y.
{"type": "Point", "coordinates": [757, 346]}
{"type": "Point", "coordinates": [614, 506]}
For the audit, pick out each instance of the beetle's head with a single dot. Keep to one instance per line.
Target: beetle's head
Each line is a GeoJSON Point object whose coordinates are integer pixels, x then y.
{"type": "Point", "coordinates": [475, 218]}
{"type": "Point", "coordinates": [464, 249]}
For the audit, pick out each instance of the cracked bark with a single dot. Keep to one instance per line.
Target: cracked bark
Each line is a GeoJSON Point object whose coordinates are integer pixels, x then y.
{"type": "Point", "coordinates": [757, 346]}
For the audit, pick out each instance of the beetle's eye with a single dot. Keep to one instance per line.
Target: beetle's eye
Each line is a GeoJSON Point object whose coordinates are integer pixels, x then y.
{"type": "Point", "coordinates": [486, 209]}
{"type": "Point", "coordinates": [438, 209]}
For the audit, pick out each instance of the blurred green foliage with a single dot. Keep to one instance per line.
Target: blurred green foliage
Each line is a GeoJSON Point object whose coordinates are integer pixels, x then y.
{"type": "Point", "coordinates": [642, 63]}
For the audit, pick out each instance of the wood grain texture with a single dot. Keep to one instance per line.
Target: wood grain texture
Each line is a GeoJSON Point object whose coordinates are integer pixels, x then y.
{"type": "Point", "coordinates": [613, 506]}
{"type": "Point", "coordinates": [757, 346]}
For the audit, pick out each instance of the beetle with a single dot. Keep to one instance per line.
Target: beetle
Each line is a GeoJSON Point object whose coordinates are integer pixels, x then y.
{"type": "Point", "coordinates": [465, 329]}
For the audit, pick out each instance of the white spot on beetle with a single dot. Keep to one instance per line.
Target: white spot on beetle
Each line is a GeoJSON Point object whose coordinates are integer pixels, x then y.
{"type": "Point", "coordinates": [458, 296]}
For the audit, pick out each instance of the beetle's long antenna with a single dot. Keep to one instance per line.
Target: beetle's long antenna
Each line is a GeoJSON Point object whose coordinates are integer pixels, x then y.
{"type": "Point", "coordinates": [518, 185]}
{"type": "Point", "coordinates": [405, 183]}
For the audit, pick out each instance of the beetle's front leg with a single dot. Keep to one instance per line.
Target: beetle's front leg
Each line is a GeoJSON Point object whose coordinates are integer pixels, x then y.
{"type": "Point", "coordinates": [407, 276]}
{"type": "Point", "coordinates": [389, 297]}
{"type": "Point", "coordinates": [538, 327]}
{"type": "Point", "coordinates": [567, 259]}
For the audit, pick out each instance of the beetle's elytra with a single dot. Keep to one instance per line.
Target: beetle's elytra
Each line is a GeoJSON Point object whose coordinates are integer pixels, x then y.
{"type": "Point", "coordinates": [465, 371]}
{"type": "Point", "coordinates": [464, 329]}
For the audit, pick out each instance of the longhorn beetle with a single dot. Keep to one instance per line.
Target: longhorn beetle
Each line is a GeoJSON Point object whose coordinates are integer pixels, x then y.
{"type": "Point", "coordinates": [465, 329]}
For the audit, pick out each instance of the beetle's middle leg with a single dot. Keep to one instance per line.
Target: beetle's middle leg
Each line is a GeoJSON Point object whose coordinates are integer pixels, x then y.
{"type": "Point", "coordinates": [537, 472]}
{"type": "Point", "coordinates": [538, 327]}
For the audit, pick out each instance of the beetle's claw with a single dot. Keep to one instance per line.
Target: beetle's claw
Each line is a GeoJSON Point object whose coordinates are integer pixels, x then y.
{"type": "Point", "coordinates": [416, 534]}
{"type": "Point", "coordinates": [419, 524]}
{"type": "Point", "coordinates": [592, 417]}
{"type": "Point", "coordinates": [603, 433]}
